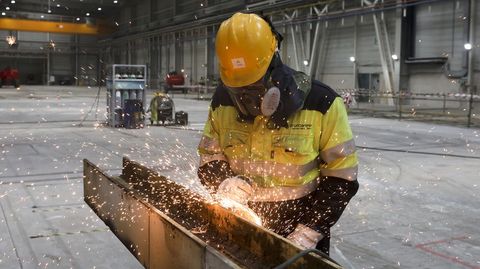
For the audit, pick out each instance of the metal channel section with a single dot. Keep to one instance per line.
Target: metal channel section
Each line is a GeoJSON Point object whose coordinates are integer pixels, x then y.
{"type": "Point", "coordinates": [165, 225]}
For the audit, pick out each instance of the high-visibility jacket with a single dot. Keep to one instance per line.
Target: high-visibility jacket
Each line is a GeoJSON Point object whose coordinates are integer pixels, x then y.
{"type": "Point", "coordinates": [286, 161]}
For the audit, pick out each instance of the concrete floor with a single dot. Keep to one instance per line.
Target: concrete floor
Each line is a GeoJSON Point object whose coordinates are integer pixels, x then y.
{"type": "Point", "coordinates": [417, 206]}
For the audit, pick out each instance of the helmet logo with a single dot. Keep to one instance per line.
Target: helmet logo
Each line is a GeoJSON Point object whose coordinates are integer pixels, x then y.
{"type": "Point", "coordinates": [238, 63]}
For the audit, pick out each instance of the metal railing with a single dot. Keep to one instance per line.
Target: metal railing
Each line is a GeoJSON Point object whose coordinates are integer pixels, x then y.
{"type": "Point", "coordinates": [452, 108]}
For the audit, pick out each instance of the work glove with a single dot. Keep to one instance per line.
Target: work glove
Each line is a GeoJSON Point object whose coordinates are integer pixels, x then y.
{"type": "Point", "coordinates": [233, 194]}
{"type": "Point", "coordinates": [305, 237]}
{"type": "Point", "coordinates": [235, 188]}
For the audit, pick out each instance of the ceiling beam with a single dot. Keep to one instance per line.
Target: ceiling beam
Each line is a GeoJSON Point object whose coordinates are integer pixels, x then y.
{"type": "Point", "coordinates": [52, 27]}
{"type": "Point", "coordinates": [78, 9]}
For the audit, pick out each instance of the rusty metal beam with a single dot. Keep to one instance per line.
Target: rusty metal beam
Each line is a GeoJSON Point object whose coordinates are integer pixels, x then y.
{"type": "Point", "coordinates": [165, 225]}
{"type": "Point", "coordinates": [52, 27]}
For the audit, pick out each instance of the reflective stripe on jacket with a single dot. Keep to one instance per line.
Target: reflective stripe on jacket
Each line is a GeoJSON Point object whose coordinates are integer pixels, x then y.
{"type": "Point", "coordinates": [317, 142]}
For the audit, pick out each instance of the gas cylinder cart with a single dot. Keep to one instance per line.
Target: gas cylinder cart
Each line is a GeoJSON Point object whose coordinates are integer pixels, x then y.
{"type": "Point", "coordinates": [126, 85]}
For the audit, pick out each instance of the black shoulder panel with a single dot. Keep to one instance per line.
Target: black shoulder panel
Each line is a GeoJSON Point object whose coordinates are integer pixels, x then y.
{"type": "Point", "coordinates": [221, 98]}
{"type": "Point", "coordinates": [320, 97]}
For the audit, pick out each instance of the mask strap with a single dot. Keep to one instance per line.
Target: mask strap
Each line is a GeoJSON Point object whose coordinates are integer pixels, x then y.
{"type": "Point", "coordinates": [276, 33]}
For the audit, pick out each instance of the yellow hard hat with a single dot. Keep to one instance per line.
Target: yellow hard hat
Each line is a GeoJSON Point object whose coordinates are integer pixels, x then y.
{"type": "Point", "coordinates": [245, 45]}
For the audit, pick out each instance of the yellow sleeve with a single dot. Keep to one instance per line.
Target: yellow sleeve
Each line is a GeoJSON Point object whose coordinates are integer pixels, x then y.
{"type": "Point", "coordinates": [209, 146]}
{"type": "Point", "coordinates": [337, 147]}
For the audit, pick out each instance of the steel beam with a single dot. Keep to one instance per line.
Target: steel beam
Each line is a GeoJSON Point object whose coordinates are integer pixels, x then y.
{"type": "Point", "coordinates": [165, 225]}
{"type": "Point", "coordinates": [51, 27]}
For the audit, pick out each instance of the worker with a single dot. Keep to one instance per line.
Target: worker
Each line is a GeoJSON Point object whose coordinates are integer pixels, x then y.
{"type": "Point", "coordinates": [275, 139]}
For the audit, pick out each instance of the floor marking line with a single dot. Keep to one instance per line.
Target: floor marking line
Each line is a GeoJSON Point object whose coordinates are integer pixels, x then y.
{"type": "Point", "coordinates": [445, 256]}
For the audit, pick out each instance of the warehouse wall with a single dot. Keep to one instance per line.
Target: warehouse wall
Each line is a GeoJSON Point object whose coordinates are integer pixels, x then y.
{"type": "Point", "coordinates": [73, 56]}
{"type": "Point", "coordinates": [440, 30]}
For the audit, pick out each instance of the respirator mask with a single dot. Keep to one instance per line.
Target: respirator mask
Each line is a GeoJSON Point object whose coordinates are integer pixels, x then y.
{"type": "Point", "coordinates": [277, 95]}
{"type": "Point", "coordinates": [259, 98]}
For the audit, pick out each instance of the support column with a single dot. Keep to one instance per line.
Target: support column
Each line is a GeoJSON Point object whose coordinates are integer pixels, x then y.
{"type": "Point", "coordinates": [315, 51]}
{"type": "Point", "coordinates": [471, 40]}
{"type": "Point", "coordinates": [77, 80]}
{"type": "Point", "coordinates": [355, 68]}
{"type": "Point", "coordinates": [194, 57]}
{"type": "Point", "coordinates": [294, 41]}
{"type": "Point", "coordinates": [400, 79]}
{"type": "Point", "coordinates": [383, 60]}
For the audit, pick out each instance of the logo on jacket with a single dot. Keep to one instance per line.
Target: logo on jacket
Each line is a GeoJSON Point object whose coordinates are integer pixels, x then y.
{"type": "Point", "coordinates": [300, 126]}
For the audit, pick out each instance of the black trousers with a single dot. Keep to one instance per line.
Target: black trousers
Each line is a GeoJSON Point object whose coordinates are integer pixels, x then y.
{"type": "Point", "coordinates": [319, 210]}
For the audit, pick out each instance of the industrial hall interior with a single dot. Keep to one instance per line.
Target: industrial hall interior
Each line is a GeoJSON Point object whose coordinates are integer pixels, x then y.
{"type": "Point", "coordinates": [181, 134]}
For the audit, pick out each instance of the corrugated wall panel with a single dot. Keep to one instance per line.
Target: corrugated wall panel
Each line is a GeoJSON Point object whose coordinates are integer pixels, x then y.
{"type": "Point", "coordinates": [339, 49]}
{"type": "Point", "coordinates": [143, 12]}
{"type": "Point", "coordinates": [187, 6]}
{"type": "Point", "coordinates": [201, 60]}
{"type": "Point", "coordinates": [61, 65]}
{"type": "Point", "coordinates": [476, 54]}
{"type": "Point", "coordinates": [33, 36]}
{"type": "Point", "coordinates": [61, 38]}
{"type": "Point", "coordinates": [442, 30]}
{"type": "Point", "coordinates": [187, 61]}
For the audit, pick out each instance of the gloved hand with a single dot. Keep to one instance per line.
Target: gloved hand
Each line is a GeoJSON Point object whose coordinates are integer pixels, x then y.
{"type": "Point", "coordinates": [305, 237]}
{"type": "Point", "coordinates": [235, 188]}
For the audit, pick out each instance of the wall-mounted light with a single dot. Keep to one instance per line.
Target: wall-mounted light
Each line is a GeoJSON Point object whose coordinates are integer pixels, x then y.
{"type": "Point", "coordinates": [11, 40]}
{"type": "Point", "coordinates": [352, 59]}
{"type": "Point", "coordinates": [51, 44]}
{"type": "Point", "coordinates": [305, 62]}
{"type": "Point", "coordinates": [467, 46]}
{"type": "Point", "coordinates": [394, 57]}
